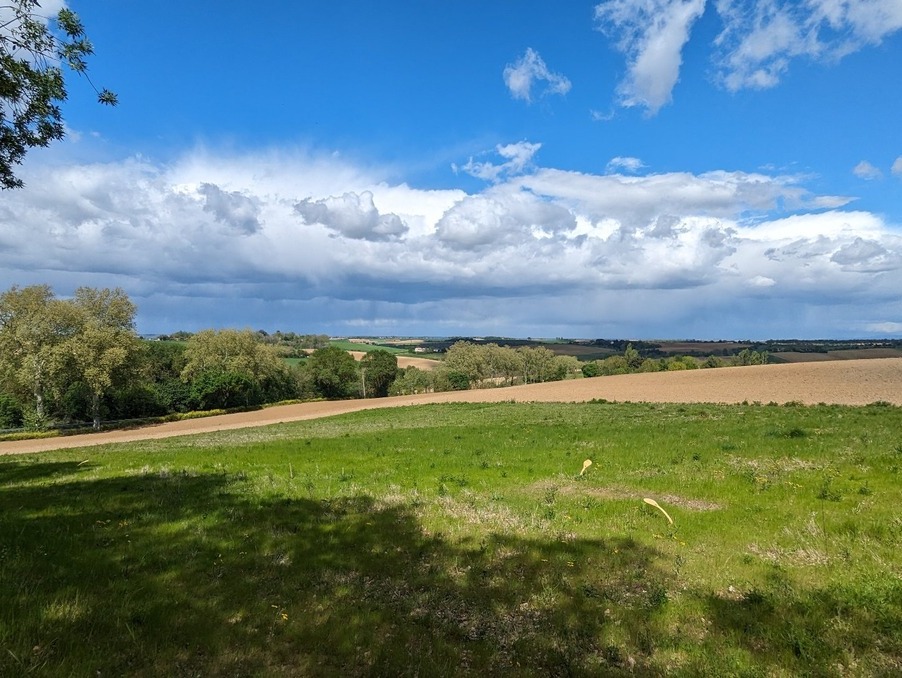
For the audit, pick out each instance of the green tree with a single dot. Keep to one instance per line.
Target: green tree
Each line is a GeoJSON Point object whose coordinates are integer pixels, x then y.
{"type": "Point", "coordinates": [380, 369]}
{"type": "Point", "coordinates": [34, 326]}
{"type": "Point", "coordinates": [750, 357]}
{"type": "Point", "coordinates": [226, 361]}
{"type": "Point", "coordinates": [711, 362]}
{"type": "Point", "coordinates": [615, 364]}
{"type": "Point", "coordinates": [566, 367]}
{"type": "Point", "coordinates": [681, 362]}
{"type": "Point", "coordinates": [632, 357]}
{"type": "Point", "coordinates": [10, 412]}
{"type": "Point", "coordinates": [103, 350]}
{"type": "Point", "coordinates": [334, 372]}
{"type": "Point", "coordinates": [504, 363]}
{"type": "Point", "coordinates": [651, 365]}
{"type": "Point", "coordinates": [238, 351]}
{"type": "Point", "coordinates": [161, 364]}
{"type": "Point", "coordinates": [33, 51]}
{"type": "Point", "coordinates": [464, 357]}
{"type": "Point", "coordinates": [303, 384]}
{"type": "Point", "coordinates": [412, 380]}
{"type": "Point", "coordinates": [445, 379]}
{"type": "Point", "coordinates": [214, 389]}
{"type": "Point", "coordinates": [162, 360]}
{"type": "Point", "coordinates": [538, 364]}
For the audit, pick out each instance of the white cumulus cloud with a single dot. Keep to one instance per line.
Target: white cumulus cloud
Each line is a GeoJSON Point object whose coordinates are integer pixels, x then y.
{"type": "Point", "coordinates": [760, 39]}
{"type": "Point", "coordinates": [231, 207]}
{"type": "Point", "coordinates": [353, 215]}
{"type": "Point", "coordinates": [652, 34]}
{"type": "Point", "coordinates": [315, 243]}
{"type": "Point", "coordinates": [865, 170]}
{"type": "Point", "coordinates": [528, 72]}
{"type": "Point", "coordinates": [757, 43]}
{"type": "Point", "coordinates": [517, 158]}
{"type": "Point", "coordinates": [624, 164]}
{"type": "Point", "coordinates": [501, 217]}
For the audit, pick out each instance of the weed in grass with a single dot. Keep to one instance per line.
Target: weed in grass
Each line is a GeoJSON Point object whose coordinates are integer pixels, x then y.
{"type": "Point", "coordinates": [827, 491]}
{"type": "Point", "coordinates": [790, 432]}
{"type": "Point", "coordinates": [459, 480]}
{"type": "Point", "coordinates": [657, 597]}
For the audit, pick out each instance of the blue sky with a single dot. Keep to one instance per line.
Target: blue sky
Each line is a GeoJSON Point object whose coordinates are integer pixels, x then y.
{"type": "Point", "coordinates": [630, 168]}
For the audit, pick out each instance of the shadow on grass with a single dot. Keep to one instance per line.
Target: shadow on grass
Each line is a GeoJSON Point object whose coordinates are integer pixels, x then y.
{"type": "Point", "coordinates": [15, 472]}
{"type": "Point", "coordinates": [824, 631]}
{"type": "Point", "coordinates": [183, 574]}
{"type": "Point", "coordinates": [199, 574]}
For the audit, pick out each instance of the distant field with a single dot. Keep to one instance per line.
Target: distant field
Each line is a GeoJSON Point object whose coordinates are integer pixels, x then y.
{"type": "Point", "coordinates": [713, 347]}
{"type": "Point", "coordinates": [846, 354]}
{"type": "Point", "coordinates": [366, 348]}
{"type": "Point", "coordinates": [395, 342]}
{"type": "Point", "coordinates": [581, 351]}
{"type": "Point", "coordinates": [405, 361]}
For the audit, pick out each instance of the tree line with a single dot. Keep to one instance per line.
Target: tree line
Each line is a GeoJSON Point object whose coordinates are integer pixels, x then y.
{"type": "Point", "coordinates": [80, 360]}
{"type": "Point", "coordinates": [70, 361]}
{"type": "Point", "coordinates": [632, 361]}
{"type": "Point", "coordinates": [468, 365]}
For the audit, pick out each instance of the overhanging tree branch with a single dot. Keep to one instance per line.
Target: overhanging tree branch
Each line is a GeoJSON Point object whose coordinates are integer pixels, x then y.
{"type": "Point", "coordinates": [33, 51]}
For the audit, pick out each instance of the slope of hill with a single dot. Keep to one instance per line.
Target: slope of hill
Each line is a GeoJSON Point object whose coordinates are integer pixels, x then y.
{"type": "Point", "coordinates": [841, 382]}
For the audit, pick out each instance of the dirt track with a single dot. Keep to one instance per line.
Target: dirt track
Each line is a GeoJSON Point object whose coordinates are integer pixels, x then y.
{"type": "Point", "coordinates": [849, 382]}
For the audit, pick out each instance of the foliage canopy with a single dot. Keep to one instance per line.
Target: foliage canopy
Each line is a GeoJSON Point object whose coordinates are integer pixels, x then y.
{"type": "Point", "coordinates": [33, 51]}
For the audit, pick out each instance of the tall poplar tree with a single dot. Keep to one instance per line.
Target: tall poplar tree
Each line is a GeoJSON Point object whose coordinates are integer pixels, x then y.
{"type": "Point", "coordinates": [34, 326]}
{"type": "Point", "coordinates": [102, 352]}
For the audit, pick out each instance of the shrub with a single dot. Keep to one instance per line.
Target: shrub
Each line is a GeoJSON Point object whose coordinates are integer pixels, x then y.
{"type": "Point", "coordinates": [10, 412]}
{"type": "Point", "coordinates": [34, 421]}
{"type": "Point", "coordinates": [590, 369]}
{"type": "Point", "coordinates": [222, 390]}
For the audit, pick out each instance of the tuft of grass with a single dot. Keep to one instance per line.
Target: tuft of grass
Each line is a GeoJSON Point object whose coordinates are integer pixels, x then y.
{"type": "Point", "coordinates": [28, 435]}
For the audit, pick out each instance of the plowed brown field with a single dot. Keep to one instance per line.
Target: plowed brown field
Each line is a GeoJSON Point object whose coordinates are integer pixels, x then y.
{"type": "Point", "coordinates": [846, 382]}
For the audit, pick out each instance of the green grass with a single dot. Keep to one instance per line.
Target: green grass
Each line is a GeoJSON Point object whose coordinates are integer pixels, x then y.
{"type": "Point", "coordinates": [460, 539]}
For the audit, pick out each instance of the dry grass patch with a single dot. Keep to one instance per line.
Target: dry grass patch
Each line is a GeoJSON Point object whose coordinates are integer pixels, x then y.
{"type": "Point", "coordinates": [578, 488]}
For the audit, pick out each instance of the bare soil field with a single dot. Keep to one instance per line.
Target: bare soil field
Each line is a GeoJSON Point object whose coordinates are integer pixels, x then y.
{"type": "Point", "coordinates": [403, 361]}
{"type": "Point", "coordinates": [842, 382]}
{"type": "Point", "coordinates": [843, 354]}
{"type": "Point", "coordinates": [713, 347]}
{"type": "Point", "coordinates": [581, 351]}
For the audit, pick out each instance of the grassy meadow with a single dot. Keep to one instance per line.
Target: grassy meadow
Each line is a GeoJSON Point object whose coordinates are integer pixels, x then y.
{"type": "Point", "coordinates": [461, 539]}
